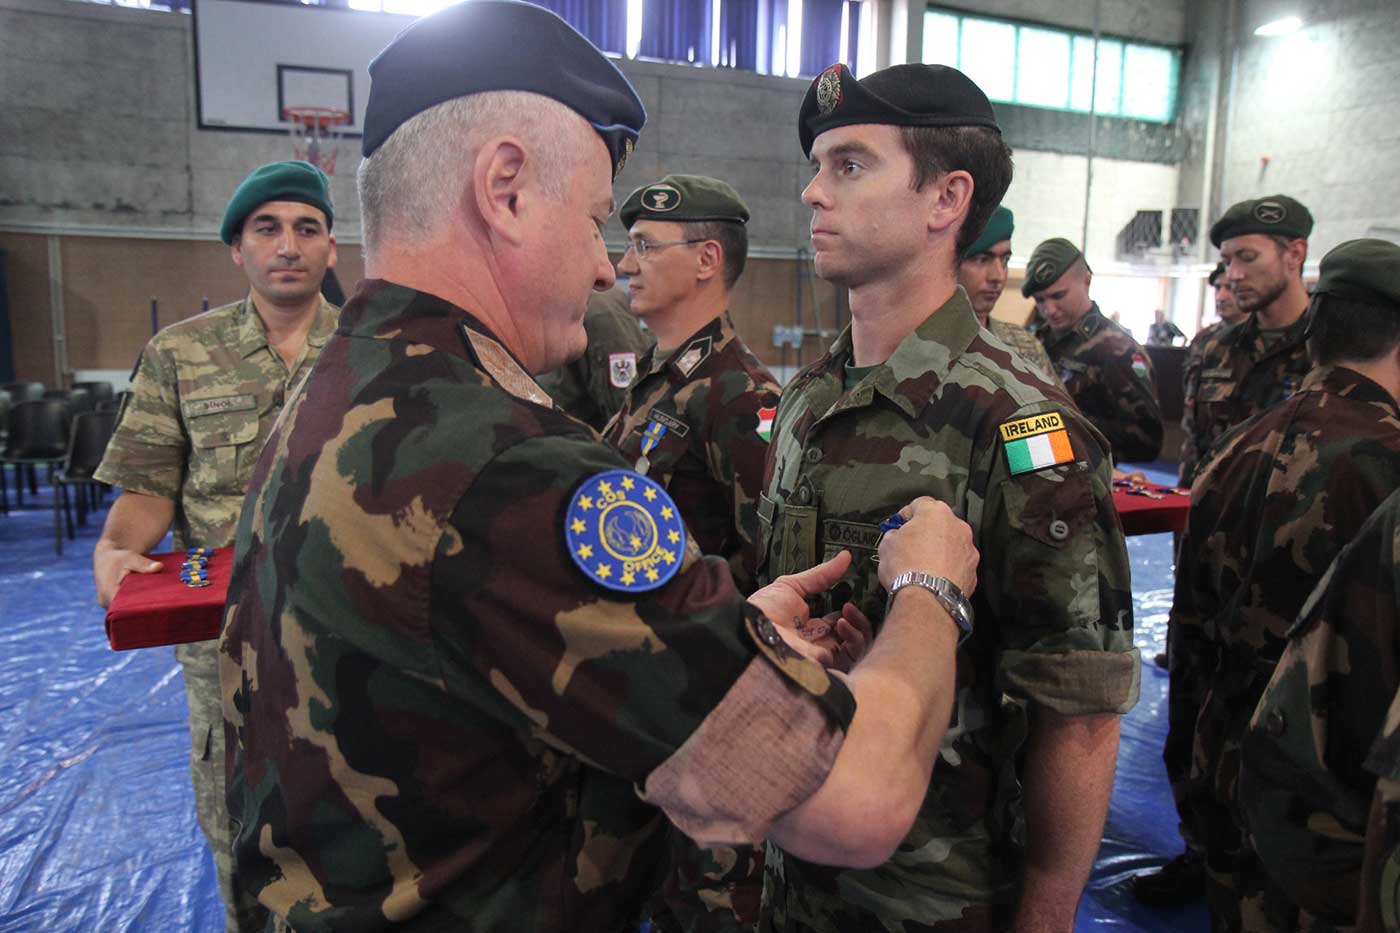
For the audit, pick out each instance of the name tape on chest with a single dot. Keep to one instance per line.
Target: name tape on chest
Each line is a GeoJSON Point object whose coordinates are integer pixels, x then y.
{"type": "Point", "coordinates": [624, 532]}
{"type": "Point", "coordinates": [670, 421]}
{"type": "Point", "coordinates": [218, 406]}
{"type": "Point", "coordinates": [1036, 443]}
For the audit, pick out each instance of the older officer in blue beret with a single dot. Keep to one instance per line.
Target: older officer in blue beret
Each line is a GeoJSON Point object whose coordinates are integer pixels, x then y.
{"type": "Point", "coordinates": [470, 657]}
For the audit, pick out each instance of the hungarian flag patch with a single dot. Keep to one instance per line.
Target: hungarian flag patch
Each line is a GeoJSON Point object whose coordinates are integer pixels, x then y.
{"type": "Point", "coordinates": [765, 422]}
{"type": "Point", "coordinates": [1035, 443]}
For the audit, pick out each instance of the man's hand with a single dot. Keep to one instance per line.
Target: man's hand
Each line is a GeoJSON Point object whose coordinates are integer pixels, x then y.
{"type": "Point", "coordinates": [784, 601]}
{"type": "Point", "coordinates": [934, 541]}
{"type": "Point", "coordinates": [110, 567]}
{"type": "Point", "coordinates": [838, 639]}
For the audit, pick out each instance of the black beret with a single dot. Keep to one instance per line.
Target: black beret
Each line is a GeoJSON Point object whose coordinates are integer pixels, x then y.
{"type": "Point", "coordinates": [903, 95]}
{"type": "Point", "coordinates": [1365, 271]}
{"type": "Point", "coordinates": [277, 181]}
{"type": "Point", "coordinates": [1050, 260]}
{"type": "Point", "coordinates": [499, 45]}
{"type": "Point", "coordinates": [684, 199]}
{"type": "Point", "coordinates": [1275, 215]}
{"type": "Point", "coordinates": [1216, 273]}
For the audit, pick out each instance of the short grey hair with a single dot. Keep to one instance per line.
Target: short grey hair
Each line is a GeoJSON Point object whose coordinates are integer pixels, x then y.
{"type": "Point", "coordinates": [415, 178]}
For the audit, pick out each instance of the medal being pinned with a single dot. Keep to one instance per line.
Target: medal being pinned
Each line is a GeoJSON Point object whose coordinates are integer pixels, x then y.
{"type": "Point", "coordinates": [650, 438]}
{"type": "Point", "coordinates": [624, 532]}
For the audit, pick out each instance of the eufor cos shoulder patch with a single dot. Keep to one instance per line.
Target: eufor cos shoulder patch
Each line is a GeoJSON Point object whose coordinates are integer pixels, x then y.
{"type": "Point", "coordinates": [624, 532]}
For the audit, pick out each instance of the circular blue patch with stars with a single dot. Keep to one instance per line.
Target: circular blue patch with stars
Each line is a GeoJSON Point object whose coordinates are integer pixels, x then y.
{"type": "Point", "coordinates": [624, 532]}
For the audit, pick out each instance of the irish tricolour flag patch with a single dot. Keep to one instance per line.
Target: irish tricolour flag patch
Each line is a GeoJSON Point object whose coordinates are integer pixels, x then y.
{"type": "Point", "coordinates": [1036, 443]}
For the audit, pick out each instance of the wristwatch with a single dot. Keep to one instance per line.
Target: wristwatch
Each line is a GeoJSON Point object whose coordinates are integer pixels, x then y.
{"type": "Point", "coordinates": [944, 590]}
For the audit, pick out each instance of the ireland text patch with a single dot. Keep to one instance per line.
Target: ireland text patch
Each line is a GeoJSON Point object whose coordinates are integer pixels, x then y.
{"type": "Point", "coordinates": [1035, 443]}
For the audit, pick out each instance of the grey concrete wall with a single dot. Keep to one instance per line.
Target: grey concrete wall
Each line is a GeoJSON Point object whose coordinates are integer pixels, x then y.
{"type": "Point", "coordinates": [97, 132]}
{"type": "Point", "coordinates": [1161, 21]}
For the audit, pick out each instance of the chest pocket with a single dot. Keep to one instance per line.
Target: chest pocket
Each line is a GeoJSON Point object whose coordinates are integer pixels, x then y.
{"type": "Point", "coordinates": [223, 432]}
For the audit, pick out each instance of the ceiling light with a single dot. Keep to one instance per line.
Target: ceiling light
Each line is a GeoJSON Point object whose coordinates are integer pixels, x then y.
{"type": "Point", "coordinates": [1280, 27]}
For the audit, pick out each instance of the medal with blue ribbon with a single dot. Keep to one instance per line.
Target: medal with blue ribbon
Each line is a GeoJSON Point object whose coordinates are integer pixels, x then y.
{"type": "Point", "coordinates": [650, 438]}
{"type": "Point", "coordinates": [624, 532]}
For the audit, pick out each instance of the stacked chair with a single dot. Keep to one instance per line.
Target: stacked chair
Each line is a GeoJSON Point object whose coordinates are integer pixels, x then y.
{"type": "Point", "coordinates": [86, 444]}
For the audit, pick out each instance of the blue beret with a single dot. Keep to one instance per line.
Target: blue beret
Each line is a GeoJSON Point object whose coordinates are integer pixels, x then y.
{"type": "Point", "coordinates": [999, 228]}
{"type": "Point", "coordinates": [499, 45]}
{"type": "Point", "coordinates": [902, 95]}
{"type": "Point", "coordinates": [277, 181]}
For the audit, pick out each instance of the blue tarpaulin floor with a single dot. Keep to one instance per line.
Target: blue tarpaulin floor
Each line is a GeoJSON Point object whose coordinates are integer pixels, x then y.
{"type": "Point", "coordinates": [97, 828]}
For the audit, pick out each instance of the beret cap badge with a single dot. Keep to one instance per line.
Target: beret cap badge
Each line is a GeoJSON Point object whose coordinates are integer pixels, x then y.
{"type": "Point", "coordinates": [829, 90]}
{"type": "Point", "coordinates": [661, 198]}
{"type": "Point", "coordinates": [1270, 212]}
{"type": "Point", "coordinates": [1045, 272]}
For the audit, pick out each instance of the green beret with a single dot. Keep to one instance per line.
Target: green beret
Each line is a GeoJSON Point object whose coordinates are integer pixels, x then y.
{"type": "Point", "coordinates": [998, 228]}
{"type": "Point", "coordinates": [277, 181]}
{"type": "Point", "coordinates": [1365, 271]}
{"type": "Point", "coordinates": [1274, 215]}
{"type": "Point", "coordinates": [902, 95]}
{"type": "Point", "coordinates": [1216, 273]}
{"type": "Point", "coordinates": [684, 199]}
{"type": "Point", "coordinates": [1050, 260]}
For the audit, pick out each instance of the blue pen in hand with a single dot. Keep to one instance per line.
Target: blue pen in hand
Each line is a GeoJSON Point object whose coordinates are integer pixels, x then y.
{"type": "Point", "coordinates": [894, 521]}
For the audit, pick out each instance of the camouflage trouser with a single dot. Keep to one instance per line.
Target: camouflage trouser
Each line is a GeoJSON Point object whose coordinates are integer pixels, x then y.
{"type": "Point", "coordinates": [709, 890]}
{"type": "Point", "coordinates": [1241, 896]}
{"type": "Point", "coordinates": [200, 661]}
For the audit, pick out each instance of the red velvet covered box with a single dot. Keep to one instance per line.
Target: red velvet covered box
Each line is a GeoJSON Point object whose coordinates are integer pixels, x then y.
{"type": "Point", "coordinates": [153, 609]}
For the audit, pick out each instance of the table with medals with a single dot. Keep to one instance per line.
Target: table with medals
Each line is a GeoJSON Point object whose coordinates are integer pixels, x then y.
{"type": "Point", "coordinates": [1147, 508]}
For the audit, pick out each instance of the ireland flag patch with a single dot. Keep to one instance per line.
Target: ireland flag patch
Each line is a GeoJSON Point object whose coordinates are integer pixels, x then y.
{"type": "Point", "coordinates": [1036, 443]}
{"type": "Point", "coordinates": [765, 422]}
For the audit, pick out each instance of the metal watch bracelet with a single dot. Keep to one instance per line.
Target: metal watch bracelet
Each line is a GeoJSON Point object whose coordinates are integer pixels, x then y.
{"type": "Point", "coordinates": [944, 590]}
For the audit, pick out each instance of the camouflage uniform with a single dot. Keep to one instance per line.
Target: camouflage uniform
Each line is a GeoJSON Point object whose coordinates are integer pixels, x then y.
{"type": "Point", "coordinates": [1053, 608]}
{"type": "Point", "coordinates": [709, 396]}
{"type": "Point", "coordinates": [1109, 377]}
{"type": "Point", "coordinates": [1024, 343]}
{"type": "Point", "coordinates": [434, 718]}
{"type": "Point", "coordinates": [1237, 375]}
{"type": "Point", "coordinates": [206, 393]}
{"type": "Point", "coordinates": [1315, 744]}
{"type": "Point", "coordinates": [593, 387]}
{"type": "Point", "coordinates": [1269, 511]}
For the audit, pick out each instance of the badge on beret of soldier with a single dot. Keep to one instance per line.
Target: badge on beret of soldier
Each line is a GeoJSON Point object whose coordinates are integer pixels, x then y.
{"type": "Point", "coordinates": [624, 532]}
{"type": "Point", "coordinates": [1273, 215]}
{"type": "Point", "coordinates": [1036, 443]}
{"type": "Point", "coordinates": [301, 182]}
{"type": "Point", "coordinates": [1050, 260]}
{"type": "Point", "coordinates": [903, 95]}
{"type": "Point", "coordinates": [684, 199]}
{"type": "Point", "coordinates": [1366, 271]}
{"type": "Point", "coordinates": [499, 45]}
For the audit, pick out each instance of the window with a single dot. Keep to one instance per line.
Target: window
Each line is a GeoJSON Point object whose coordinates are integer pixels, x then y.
{"type": "Point", "coordinates": [1041, 66]}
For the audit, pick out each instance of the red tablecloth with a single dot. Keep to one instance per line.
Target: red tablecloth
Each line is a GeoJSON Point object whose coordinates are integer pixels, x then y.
{"type": "Point", "coordinates": [158, 609]}
{"type": "Point", "coordinates": [1145, 515]}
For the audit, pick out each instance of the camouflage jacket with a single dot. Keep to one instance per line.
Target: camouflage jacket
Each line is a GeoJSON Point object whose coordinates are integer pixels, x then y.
{"type": "Point", "coordinates": [594, 387]}
{"type": "Point", "coordinates": [1235, 378]}
{"type": "Point", "coordinates": [711, 404]}
{"type": "Point", "coordinates": [1053, 608]}
{"type": "Point", "coordinates": [1109, 377]}
{"type": "Point", "coordinates": [1024, 343]}
{"type": "Point", "coordinates": [1321, 734]}
{"type": "Point", "coordinates": [1284, 492]}
{"type": "Point", "coordinates": [434, 718]}
{"type": "Point", "coordinates": [206, 393]}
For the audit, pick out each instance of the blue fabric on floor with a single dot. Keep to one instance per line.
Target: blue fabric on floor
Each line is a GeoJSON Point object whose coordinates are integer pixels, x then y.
{"type": "Point", "coordinates": [97, 828]}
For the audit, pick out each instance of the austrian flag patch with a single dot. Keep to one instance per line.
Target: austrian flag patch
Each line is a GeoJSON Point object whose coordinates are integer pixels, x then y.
{"type": "Point", "coordinates": [1035, 443]}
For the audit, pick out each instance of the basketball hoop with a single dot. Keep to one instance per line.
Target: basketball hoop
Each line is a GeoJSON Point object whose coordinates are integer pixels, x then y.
{"type": "Point", "coordinates": [316, 134]}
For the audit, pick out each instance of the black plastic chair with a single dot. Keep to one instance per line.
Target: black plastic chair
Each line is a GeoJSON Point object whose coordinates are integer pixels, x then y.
{"type": "Point", "coordinates": [24, 391]}
{"type": "Point", "coordinates": [114, 403]}
{"type": "Point", "coordinates": [100, 392]}
{"type": "Point", "coordinates": [79, 400]}
{"type": "Point", "coordinates": [87, 442]}
{"type": "Point", "coordinates": [38, 435]}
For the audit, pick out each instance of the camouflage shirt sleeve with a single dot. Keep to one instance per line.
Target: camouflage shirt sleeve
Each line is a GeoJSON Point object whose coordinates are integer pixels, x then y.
{"type": "Point", "coordinates": [1055, 563]}
{"type": "Point", "coordinates": [1190, 379]}
{"type": "Point", "coordinates": [666, 688]}
{"type": "Point", "coordinates": [1135, 434]}
{"type": "Point", "coordinates": [735, 454]}
{"type": "Point", "coordinates": [147, 453]}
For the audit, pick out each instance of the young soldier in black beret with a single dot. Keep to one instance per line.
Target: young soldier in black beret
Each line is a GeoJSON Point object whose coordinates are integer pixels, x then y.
{"type": "Point", "coordinates": [917, 398]}
{"type": "Point", "coordinates": [1103, 367]}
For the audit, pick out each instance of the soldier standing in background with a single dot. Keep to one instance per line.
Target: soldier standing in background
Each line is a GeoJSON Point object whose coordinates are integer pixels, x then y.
{"type": "Point", "coordinates": [1230, 314]}
{"type": "Point", "coordinates": [700, 413]}
{"type": "Point", "coordinates": [1269, 510]}
{"type": "Point", "coordinates": [982, 274]}
{"type": "Point", "coordinates": [203, 401]}
{"type": "Point", "coordinates": [1105, 370]}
